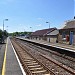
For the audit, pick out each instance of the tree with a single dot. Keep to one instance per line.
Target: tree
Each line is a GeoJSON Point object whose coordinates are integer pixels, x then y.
{"type": "Point", "coordinates": [1, 33]}
{"type": "Point", "coordinates": [5, 33]}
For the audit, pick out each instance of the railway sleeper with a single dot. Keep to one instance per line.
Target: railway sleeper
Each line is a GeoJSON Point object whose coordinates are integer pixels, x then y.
{"type": "Point", "coordinates": [28, 59]}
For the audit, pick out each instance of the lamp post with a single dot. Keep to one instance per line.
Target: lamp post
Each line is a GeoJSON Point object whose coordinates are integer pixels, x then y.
{"type": "Point", "coordinates": [49, 24]}
{"type": "Point", "coordinates": [3, 23]}
{"type": "Point", "coordinates": [49, 28]}
{"type": "Point", "coordinates": [3, 28]}
{"type": "Point", "coordinates": [31, 29]}
{"type": "Point", "coordinates": [7, 28]}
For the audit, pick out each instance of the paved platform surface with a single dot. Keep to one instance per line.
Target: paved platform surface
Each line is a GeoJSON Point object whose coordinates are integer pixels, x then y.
{"type": "Point", "coordinates": [58, 45]}
{"type": "Point", "coordinates": [11, 66]}
{"type": "Point", "coordinates": [2, 50]}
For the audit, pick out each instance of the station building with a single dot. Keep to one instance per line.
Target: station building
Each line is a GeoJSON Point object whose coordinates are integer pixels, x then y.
{"type": "Point", "coordinates": [50, 35]}
{"type": "Point", "coordinates": [67, 33]}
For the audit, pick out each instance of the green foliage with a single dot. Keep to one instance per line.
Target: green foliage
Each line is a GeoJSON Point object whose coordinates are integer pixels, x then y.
{"type": "Point", "coordinates": [3, 33]}
{"type": "Point", "coordinates": [19, 33]}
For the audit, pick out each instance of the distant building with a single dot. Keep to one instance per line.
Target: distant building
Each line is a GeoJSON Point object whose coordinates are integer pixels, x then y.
{"type": "Point", "coordinates": [53, 36]}
{"type": "Point", "coordinates": [45, 34]}
{"type": "Point", "coordinates": [67, 33]}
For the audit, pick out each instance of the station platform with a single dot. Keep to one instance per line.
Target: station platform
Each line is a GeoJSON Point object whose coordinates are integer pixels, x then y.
{"type": "Point", "coordinates": [11, 64]}
{"type": "Point", "coordinates": [57, 45]}
{"type": "Point", "coordinates": [2, 50]}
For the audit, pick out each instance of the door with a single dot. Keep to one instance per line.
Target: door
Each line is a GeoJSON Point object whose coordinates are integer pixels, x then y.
{"type": "Point", "coordinates": [71, 38]}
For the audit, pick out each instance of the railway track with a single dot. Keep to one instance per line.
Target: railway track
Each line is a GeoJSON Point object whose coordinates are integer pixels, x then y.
{"type": "Point", "coordinates": [51, 67]}
{"type": "Point", "coordinates": [66, 60]}
{"type": "Point", "coordinates": [31, 65]}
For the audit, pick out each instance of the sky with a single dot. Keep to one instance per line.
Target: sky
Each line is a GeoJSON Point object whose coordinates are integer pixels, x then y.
{"type": "Point", "coordinates": [32, 15]}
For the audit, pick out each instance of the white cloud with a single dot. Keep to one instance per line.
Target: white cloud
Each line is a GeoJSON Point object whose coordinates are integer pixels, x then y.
{"type": "Point", "coordinates": [1, 27]}
{"type": "Point", "coordinates": [39, 25]}
{"type": "Point", "coordinates": [40, 18]}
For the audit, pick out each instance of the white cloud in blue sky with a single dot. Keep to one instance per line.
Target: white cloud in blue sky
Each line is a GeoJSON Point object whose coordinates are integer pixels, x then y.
{"type": "Point", "coordinates": [39, 25]}
{"type": "Point", "coordinates": [40, 18]}
{"type": "Point", "coordinates": [1, 27]}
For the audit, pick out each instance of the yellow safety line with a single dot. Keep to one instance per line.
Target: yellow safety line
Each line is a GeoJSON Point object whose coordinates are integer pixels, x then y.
{"type": "Point", "coordinates": [4, 62]}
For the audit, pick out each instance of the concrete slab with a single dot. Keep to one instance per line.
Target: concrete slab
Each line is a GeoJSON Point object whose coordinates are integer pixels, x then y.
{"type": "Point", "coordinates": [2, 50]}
{"type": "Point", "coordinates": [12, 66]}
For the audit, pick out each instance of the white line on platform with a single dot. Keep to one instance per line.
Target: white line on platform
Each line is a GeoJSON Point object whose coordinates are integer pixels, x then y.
{"type": "Point", "coordinates": [62, 48]}
{"type": "Point", "coordinates": [18, 60]}
{"type": "Point", "coordinates": [67, 49]}
{"type": "Point", "coordinates": [4, 62]}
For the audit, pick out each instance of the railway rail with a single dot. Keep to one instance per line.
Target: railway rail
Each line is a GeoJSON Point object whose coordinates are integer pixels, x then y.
{"type": "Point", "coordinates": [51, 66]}
{"type": "Point", "coordinates": [66, 60]}
{"type": "Point", "coordinates": [58, 49]}
{"type": "Point", "coordinates": [30, 64]}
